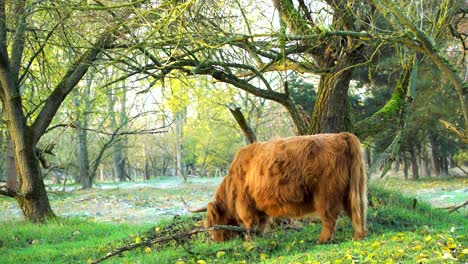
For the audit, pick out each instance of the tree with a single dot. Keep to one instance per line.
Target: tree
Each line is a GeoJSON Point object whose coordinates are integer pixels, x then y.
{"type": "Point", "coordinates": [429, 45]}
{"type": "Point", "coordinates": [16, 58]}
{"type": "Point", "coordinates": [335, 58]}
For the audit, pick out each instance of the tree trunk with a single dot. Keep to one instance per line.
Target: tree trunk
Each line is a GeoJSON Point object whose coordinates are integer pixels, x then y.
{"type": "Point", "coordinates": [331, 110]}
{"type": "Point", "coordinates": [426, 170]}
{"type": "Point", "coordinates": [147, 169]}
{"type": "Point", "coordinates": [154, 169]}
{"type": "Point", "coordinates": [11, 178]}
{"type": "Point", "coordinates": [405, 166]}
{"type": "Point", "coordinates": [82, 155]}
{"type": "Point", "coordinates": [444, 166]}
{"type": "Point", "coordinates": [30, 192]}
{"type": "Point", "coordinates": [427, 165]}
{"type": "Point", "coordinates": [32, 196]}
{"type": "Point", "coordinates": [122, 143]}
{"type": "Point", "coordinates": [3, 154]}
{"type": "Point", "coordinates": [420, 160]}
{"type": "Point", "coordinates": [36, 207]}
{"type": "Point", "coordinates": [367, 156]}
{"type": "Point", "coordinates": [82, 134]}
{"type": "Point", "coordinates": [119, 160]}
{"type": "Point", "coordinates": [396, 168]}
{"type": "Point", "coordinates": [434, 157]}
{"type": "Point", "coordinates": [179, 116]}
{"type": "Point", "coordinates": [164, 167]}
{"type": "Point", "coordinates": [119, 163]}
{"type": "Point", "coordinates": [414, 164]}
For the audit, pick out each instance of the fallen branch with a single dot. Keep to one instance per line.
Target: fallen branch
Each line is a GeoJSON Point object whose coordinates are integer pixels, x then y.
{"type": "Point", "coordinates": [176, 236]}
{"type": "Point", "coordinates": [455, 208]}
{"type": "Point", "coordinates": [7, 192]}
{"type": "Point", "coordinates": [458, 166]}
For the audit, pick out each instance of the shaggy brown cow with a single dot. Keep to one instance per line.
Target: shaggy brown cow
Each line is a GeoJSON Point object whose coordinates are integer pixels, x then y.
{"type": "Point", "coordinates": [294, 177]}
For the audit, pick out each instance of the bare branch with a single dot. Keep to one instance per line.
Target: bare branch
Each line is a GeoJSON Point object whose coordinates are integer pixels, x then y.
{"type": "Point", "coordinates": [100, 131]}
{"type": "Point", "coordinates": [455, 208]}
{"type": "Point", "coordinates": [41, 48]}
{"type": "Point", "coordinates": [7, 192]}
{"type": "Point", "coordinates": [245, 127]}
{"type": "Point", "coordinates": [177, 236]}
{"type": "Point", "coordinates": [69, 81]}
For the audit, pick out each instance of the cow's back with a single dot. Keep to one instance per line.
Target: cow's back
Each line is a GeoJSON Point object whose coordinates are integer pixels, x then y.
{"type": "Point", "coordinates": [283, 175]}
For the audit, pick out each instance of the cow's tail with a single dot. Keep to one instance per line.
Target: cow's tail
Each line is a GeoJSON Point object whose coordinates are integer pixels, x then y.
{"type": "Point", "coordinates": [358, 188]}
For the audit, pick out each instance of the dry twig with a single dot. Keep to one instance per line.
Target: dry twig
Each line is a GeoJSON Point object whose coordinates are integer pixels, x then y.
{"type": "Point", "coordinates": [165, 239]}
{"type": "Point", "coordinates": [455, 208]}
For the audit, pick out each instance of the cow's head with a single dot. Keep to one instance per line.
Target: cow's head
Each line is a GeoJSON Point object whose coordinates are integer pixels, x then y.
{"type": "Point", "coordinates": [216, 214]}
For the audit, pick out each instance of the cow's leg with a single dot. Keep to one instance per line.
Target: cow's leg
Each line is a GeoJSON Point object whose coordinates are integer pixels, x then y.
{"type": "Point", "coordinates": [328, 225]}
{"type": "Point", "coordinates": [248, 214]}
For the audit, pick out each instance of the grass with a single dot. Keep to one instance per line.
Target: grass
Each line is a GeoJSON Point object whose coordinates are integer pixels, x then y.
{"type": "Point", "coordinates": [397, 234]}
{"type": "Point", "coordinates": [440, 192]}
{"type": "Point", "coordinates": [59, 241]}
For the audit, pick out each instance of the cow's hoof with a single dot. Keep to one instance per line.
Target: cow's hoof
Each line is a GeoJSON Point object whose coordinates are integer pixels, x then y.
{"type": "Point", "coordinates": [359, 236]}
{"type": "Point", "coordinates": [324, 240]}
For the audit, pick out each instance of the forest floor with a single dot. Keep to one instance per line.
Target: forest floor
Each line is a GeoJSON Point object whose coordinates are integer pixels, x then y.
{"type": "Point", "coordinates": [156, 199]}
{"type": "Point", "coordinates": [127, 202]}
{"type": "Point", "coordinates": [101, 223]}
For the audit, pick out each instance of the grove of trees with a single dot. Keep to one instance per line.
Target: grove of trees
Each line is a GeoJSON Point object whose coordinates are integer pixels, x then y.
{"type": "Point", "coordinates": [106, 90]}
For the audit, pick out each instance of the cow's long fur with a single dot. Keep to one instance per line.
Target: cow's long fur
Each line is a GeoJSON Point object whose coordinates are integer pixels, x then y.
{"type": "Point", "coordinates": [293, 177]}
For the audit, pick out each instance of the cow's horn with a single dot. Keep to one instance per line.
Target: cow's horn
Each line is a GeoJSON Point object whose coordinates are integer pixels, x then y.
{"type": "Point", "coordinates": [197, 210]}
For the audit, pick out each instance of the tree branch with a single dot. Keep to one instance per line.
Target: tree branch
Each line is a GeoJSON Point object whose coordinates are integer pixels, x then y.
{"type": "Point", "coordinates": [124, 133]}
{"type": "Point", "coordinates": [68, 82]}
{"type": "Point", "coordinates": [246, 129]}
{"type": "Point", "coordinates": [41, 48]}
{"type": "Point", "coordinates": [455, 208]}
{"type": "Point", "coordinates": [7, 192]}
{"type": "Point", "coordinates": [208, 69]}
{"type": "Point", "coordinates": [160, 240]}
{"type": "Point", "coordinates": [450, 127]}
{"type": "Point", "coordinates": [391, 110]}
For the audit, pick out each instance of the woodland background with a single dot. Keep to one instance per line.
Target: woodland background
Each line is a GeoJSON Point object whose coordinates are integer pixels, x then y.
{"type": "Point", "coordinates": [100, 92]}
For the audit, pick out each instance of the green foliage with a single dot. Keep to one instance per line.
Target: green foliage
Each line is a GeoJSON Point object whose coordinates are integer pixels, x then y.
{"type": "Point", "coordinates": [461, 157]}
{"type": "Point", "coordinates": [301, 92]}
{"type": "Point", "coordinates": [397, 234]}
{"type": "Point", "coordinates": [427, 108]}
